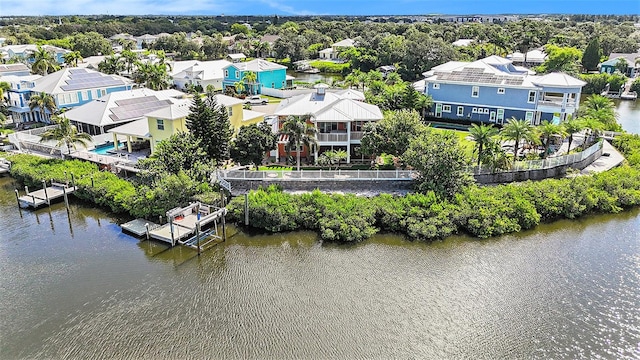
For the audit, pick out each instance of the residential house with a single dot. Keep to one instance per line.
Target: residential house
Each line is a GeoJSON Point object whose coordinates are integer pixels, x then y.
{"type": "Point", "coordinates": [27, 51]}
{"type": "Point", "coordinates": [269, 75]}
{"type": "Point", "coordinates": [462, 42]}
{"type": "Point", "coordinates": [14, 69]}
{"type": "Point", "coordinates": [235, 58]}
{"type": "Point", "coordinates": [492, 90]}
{"type": "Point", "coordinates": [270, 40]}
{"type": "Point", "coordinates": [633, 64]}
{"type": "Point", "coordinates": [118, 39]}
{"type": "Point", "coordinates": [118, 108]}
{"type": "Point", "coordinates": [203, 73]}
{"type": "Point", "coordinates": [18, 96]}
{"type": "Point", "coordinates": [170, 119]}
{"type": "Point", "coordinates": [531, 58]}
{"type": "Point", "coordinates": [333, 53]}
{"type": "Point", "coordinates": [145, 41]}
{"type": "Point", "coordinates": [70, 87]}
{"type": "Point", "coordinates": [339, 120]}
{"type": "Point", "coordinates": [91, 62]}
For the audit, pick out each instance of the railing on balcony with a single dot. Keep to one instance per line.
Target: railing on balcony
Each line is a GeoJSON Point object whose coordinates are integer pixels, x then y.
{"type": "Point", "coordinates": [332, 137]}
{"type": "Point", "coordinates": [356, 135]}
{"type": "Point", "coordinates": [321, 175]}
{"type": "Point", "coordinates": [556, 101]}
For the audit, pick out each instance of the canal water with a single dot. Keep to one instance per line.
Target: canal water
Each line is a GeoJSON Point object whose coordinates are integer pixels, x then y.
{"type": "Point", "coordinates": [629, 115]}
{"type": "Point", "coordinates": [73, 286]}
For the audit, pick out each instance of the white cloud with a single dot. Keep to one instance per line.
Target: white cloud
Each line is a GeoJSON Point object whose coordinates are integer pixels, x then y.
{"type": "Point", "coordinates": [278, 5]}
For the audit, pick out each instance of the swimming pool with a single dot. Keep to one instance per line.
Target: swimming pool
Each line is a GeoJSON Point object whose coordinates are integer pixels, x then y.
{"type": "Point", "coordinates": [103, 149]}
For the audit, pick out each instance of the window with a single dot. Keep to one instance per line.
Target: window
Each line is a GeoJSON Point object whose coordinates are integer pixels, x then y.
{"type": "Point", "coordinates": [475, 91]}
{"type": "Point", "coordinates": [103, 92]}
{"type": "Point", "coordinates": [327, 127]}
{"type": "Point", "coordinates": [474, 110]}
{"type": "Point", "coordinates": [500, 90]}
{"type": "Point", "coordinates": [529, 115]}
{"type": "Point", "coordinates": [160, 123]}
{"type": "Point", "coordinates": [460, 111]}
{"type": "Point", "coordinates": [532, 97]}
{"type": "Point", "coordinates": [436, 86]}
{"type": "Point", "coordinates": [492, 117]}
{"type": "Point", "coordinates": [237, 75]}
{"type": "Point", "coordinates": [283, 83]}
{"type": "Point", "coordinates": [500, 114]}
{"type": "Point", "coordinates": [273, 85]}
{"type": "Point", "coordinates": [226, 73]}
{"type": "Point", "coordinates": [446, 108]}
{"type": "Point", "coordinates": [230, 110]}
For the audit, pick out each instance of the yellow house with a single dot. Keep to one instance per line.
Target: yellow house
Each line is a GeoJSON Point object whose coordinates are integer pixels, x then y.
{"type": "Point", "coordinates": [238, 117]}
{"type": "Point", "coordinates": [160, 124]}
{"type": "Point", "coordinates": [167, 121]}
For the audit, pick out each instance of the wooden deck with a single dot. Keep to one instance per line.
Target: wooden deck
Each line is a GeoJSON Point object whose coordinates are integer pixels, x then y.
{"type": "Point", "coordinates": [35, 199]}
{"type": "Point", "coordinates": [138, 227]}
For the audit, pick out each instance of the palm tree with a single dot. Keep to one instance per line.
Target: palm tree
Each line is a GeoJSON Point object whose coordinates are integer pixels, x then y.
{"type": "Point", "coordinates": [128, 59]}
{"type": "Point", "coordinates": [482, 134]}
{"type": "Point", "coordinates": [547, 131]}
{"type": "Point", "coordinates": [153, 76]}
{"type": "Point", "coordinates": [43, 62]}
{"type": "Point", "coordinates": [593, 125]}
{"type": "Point", "coordinates": [393, 78]}
{"type": "Point", "coordinates": [250, 78]}
{"type": "Point", "coordinates": [239, 86]}
{"type": "Point", "coordinates": [571, 127]}
{"type": "Point", "coordinates": [601, 108]}
{"type": "Point", "coordinates": [72, 58]}
{"type": "Point", "coordinates": [300, 133]}
{"type": "Point", "coordinates": [111, 65]}
{"type": "Point", "coordinates": [516, 130]}
{"type": "Point", "coordinates": [44, 102]}
{"type": "Point", "coordinates": [65, 134]}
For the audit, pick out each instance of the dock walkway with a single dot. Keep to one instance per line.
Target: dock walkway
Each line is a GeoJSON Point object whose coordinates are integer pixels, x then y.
{"type": "Point", "coordinates": [45, 196]}
{"type": "Point", "coordinates": [5, 166]}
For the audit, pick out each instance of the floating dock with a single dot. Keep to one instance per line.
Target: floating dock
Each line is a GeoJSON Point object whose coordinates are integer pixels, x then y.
{"type": "Point", "coordinates": [45, 196]}
{"type": "Point", "coordinates": [194, 226]}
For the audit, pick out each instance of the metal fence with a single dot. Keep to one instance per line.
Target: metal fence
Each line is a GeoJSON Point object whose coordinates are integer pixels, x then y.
{"type": "Point", "coordinates": [317, 175]}
{"type": "Point", "coordinates": [547, 163]}
{"type": "Point", "coordinates": [41, 148]}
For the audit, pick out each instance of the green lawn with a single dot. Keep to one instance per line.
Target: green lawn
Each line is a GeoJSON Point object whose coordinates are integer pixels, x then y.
{"type": "Point", "coordinates": [466, 144]}
{"type": "Point", "coordinates": [275, 168]}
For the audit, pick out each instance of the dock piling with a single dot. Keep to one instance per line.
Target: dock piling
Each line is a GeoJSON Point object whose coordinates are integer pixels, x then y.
{"type": "Point", "coordinates": [18, 198]}
{"type": "Point", "coordinates": [246, 209]}
{"type": "Point", "coordinates": [198, 237]}
{"type": "Point", "coordinates": [146, 226]}
{"type": "Point", "coordinates": [73, 181]}
{"type": "Point", "coordinates": [46, 196]}
{"type": "Point", "coordinates": [66, 199]}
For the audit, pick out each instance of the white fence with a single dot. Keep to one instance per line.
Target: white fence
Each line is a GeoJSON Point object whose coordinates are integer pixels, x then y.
{"type": "Point", "coordinates": [547, 163]}
{"type": "Point", "coordinates": [317, 175]}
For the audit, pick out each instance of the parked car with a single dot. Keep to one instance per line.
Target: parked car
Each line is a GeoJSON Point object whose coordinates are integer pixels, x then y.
{"type": "Point", "coordinates": [256, 100]}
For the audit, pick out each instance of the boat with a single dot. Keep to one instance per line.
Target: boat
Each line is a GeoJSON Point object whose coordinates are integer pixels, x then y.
{"type": "Point", "coordinates": [629, 96]}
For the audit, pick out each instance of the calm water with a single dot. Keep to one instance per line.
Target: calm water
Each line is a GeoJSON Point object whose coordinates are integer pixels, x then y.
{"type": "Point", "coordinates": [76, 287]}
{"type": "Point", "coordinates": [629, 115]}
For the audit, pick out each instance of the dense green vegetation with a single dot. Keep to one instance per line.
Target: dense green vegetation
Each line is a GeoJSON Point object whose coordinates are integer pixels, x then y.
{"type": "Point", "coordinates": [478, 211]}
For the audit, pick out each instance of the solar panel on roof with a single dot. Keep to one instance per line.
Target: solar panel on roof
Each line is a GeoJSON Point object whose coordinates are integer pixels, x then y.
{"type": "Point", "coordinates": [77, 71]}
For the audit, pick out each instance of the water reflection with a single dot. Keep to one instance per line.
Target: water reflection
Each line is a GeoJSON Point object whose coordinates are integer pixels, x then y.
{"type": "Point", "coordinates": [570, 289]}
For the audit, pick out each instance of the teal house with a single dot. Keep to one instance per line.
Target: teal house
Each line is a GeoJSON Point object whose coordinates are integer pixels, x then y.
{"type": "Point", "coordinates": [268, 75]}
{"type": "Point", "coordinates": [633, 64]}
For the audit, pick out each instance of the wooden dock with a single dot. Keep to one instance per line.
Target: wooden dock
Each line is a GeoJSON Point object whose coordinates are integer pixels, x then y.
{"type": "Point", "coordinates": [185, 226]}
{"type": "Point", "coordinates": [45, 196]}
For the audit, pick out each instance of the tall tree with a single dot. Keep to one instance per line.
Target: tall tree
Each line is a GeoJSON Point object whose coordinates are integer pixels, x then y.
{"type": "Point", "coordinates": [516, 130]}
{"type": "Point", "coordinates": [564, 59]}
{"type": "Point", "coordinates": [548, 130]}
{"type": "Point", "coordinates": [392, 134]}
{"type": "Point", "coordinates": [111, 65]}
{"type": "Point", "coordinates": [65, 134]}
{"type": "Point", "coordinates": [300, 133]}
{"type": "Point", "coordinates": [43, 62]}
{"type": "Point", "coordinates": [483, 135]}
{"type": "Point", "coordinates": [72, 58]}
{"type": "Point", "coordinates": [128, 59]}
{"type": "Point", "coordinates": [43, 102]}
{"type": "Point", "coordinates": [252, 143]}
{"type": "Point", "coordinates": [571, 127]}
{"type": "Point", "coordinates": [209, 124]}
{"type": "Point", "coordinates": [440, 163]}
{"type": "Point", "coordinates": [250, 78]}
{"type": "Point", "coordinates": [592, 54]}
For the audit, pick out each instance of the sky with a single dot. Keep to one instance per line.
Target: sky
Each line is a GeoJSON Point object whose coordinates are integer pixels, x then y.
{"type": "Point", "coordinates": [315, 7]}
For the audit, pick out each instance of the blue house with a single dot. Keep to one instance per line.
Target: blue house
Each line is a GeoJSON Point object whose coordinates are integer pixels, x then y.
{"type": "Point", "coordinates": [69, 87]}
{"type": "Point", "coordinates": [269, 75]}
{"type": "Point", "coordinates": [27, 51]}
{"type": "Point", "coordinates": [493, 90]}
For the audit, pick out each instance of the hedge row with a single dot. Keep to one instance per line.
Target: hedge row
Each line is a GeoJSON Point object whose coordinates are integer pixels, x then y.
{"type": "Point", "coordinates": [479, 211]}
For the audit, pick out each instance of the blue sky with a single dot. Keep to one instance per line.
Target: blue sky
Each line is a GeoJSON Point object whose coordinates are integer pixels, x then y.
{"type": "Point", "coordinates": [314, 7]}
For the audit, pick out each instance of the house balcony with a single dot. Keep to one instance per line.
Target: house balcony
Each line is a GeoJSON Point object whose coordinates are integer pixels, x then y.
{"type": "Point", "coordinates": [340, 137]}
{"type": "Point", "coordinates": [555, 104]}
{"type": "Point", "coordinates": [333, 137]}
